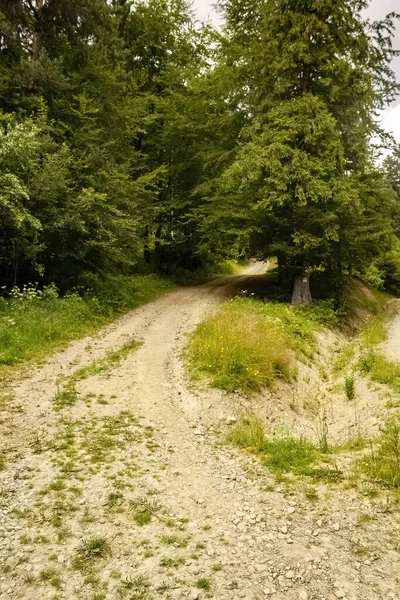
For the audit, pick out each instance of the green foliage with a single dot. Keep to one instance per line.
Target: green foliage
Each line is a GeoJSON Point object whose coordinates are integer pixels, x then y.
{"type": "Point", "coordinates": [382, 464]}
{"type": "Point", "coordinates": [127, 138]}
{"type": "Point", "coordinates": [247, 344]}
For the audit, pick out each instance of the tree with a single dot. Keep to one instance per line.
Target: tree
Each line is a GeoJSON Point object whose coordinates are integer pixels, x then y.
{"type": "Point", "coordinates": [317, 73]}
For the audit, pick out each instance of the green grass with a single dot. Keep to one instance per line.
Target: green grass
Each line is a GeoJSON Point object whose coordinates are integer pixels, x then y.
{"type": "Point", "coordinates": [203, 583]}
{"type": "Point", "coordinates": [248, 344]}
{"type": "Point", "coordinates": [50, 575]}
{"type": "Point", "coordinates": [349, 387]}
{"type": "Point", "coordinates": [90, 550]}
{"type": "Point", "coordinates": [380, 369]}
{"type": "Point", "coordinates": [344, 358]}
{"type": "Point", "coordinates": [33, 323]}
{"type": "Point", "coordinates": [3, 462]}
{"type": "Point", "coordinates": [143, 510]}
{"type": "Point", "coordinates": [374, 332]}
{"type": "Point", "coordinates": [382, 465]}
{"type": "Point", "coordinates": [109, 362]}
{"type": "Point", "coordinates": [282, 453]}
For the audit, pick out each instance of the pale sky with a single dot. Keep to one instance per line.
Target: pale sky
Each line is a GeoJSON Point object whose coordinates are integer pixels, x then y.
{"type": "Point", "coordinates": [376, 10]}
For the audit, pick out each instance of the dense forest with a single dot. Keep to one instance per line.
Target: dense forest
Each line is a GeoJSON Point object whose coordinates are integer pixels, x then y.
{"type": "Point", "coordinates": [134, 137]}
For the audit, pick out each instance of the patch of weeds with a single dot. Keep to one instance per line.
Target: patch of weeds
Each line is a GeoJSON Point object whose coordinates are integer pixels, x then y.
{"type": "Point", "coordinates": [91, 550]}
{"type": "Point", "coordinates": [349, 387]}
{"type": "Point", "coordinates": [248, 433]}
{"type": "Point", "coordinates": [374, 332]}
{"type": "Point", "coordinates": [203, 583]}
{"type": "Point", "coordinates": [325, 474]}
{"type": "Point", "coordinates": [311, 494]}
{"type": "Point", "coordinates": [382, 465]}
{"type": "Point", "coordinates": [114, 500]}
{"type": "Point", "coordinates": [29, 579]}
{"type": "Point", "coordinates": [42, 539]}
{"type": "Point", "coordinates": [136, 586]}
{"type": "Point", "coordinates": [92, 579]}
{"type": "Point", "coordinates": [109, 362]}
{"type": "Point", "coordinates": [174, 540]}
{"type": "Point", "coordinates": [50, 575]}
{"type": "Point", "coordinates": [63, 534]}
{"type": "Point", "coordinates": [66, 395]}
{"type": "Point", "coordinates": [57, 485]}
{"type": "Point", "coordinates": [356, 442]}
{"type": "Point", "coordinates": [143, 510]}
{"type": "Point", "coordinates": [200, 546]}
{"type": "Point", "coordinates": [163, 588]}
{"type": "Point", "coordinates": [171, 562]}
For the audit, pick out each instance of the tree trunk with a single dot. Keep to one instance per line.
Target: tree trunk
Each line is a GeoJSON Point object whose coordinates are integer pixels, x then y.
{"type": "Point", "coordinates": [301, 290]}
{"type": "Point", "coordinates": [37, 39]}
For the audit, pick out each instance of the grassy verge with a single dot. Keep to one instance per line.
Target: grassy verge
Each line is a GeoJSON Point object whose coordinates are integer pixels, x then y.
{"type": "Point", "coordinates": [33, 323]}
{"type": "Point", "coordinates": [248, 343]}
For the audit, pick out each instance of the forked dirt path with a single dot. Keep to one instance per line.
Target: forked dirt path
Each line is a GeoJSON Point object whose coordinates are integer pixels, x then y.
{"type": "Point", "coordinates": [126, 493]}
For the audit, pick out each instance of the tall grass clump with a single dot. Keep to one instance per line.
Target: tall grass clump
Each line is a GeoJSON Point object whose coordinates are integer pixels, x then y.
{"type": "Point", "coordinates": [383, 463]}
{"type": "Point", "coordinates": [248, 344]}
{"type": "Point", "coordinates": [281, 453]}
{"type": "Point", "coordinates": [380, 369]}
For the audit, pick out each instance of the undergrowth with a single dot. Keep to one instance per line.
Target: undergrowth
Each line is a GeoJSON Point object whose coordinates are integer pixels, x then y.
{"type": "Point", "coordinates": [248, 343]}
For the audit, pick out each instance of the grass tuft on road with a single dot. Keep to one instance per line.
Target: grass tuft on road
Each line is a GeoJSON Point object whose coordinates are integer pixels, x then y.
{"type": "Point", "coordinates": [248, 344]}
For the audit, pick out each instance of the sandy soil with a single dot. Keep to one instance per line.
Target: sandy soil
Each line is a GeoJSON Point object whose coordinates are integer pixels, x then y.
{"type": "Point", "coordinates": [142, 440]}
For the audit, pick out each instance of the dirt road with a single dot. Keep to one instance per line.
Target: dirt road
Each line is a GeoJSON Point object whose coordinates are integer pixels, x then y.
{"type": "Point", "coordinates": [129, 492]}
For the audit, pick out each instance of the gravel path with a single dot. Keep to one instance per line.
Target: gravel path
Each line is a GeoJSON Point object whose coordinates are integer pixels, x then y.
{"type": "Point", "coordinates": [124, 492]}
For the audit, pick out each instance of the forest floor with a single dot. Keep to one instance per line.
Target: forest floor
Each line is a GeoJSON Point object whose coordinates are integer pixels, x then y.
{"type": "Point", "coordinates": [118, 483]}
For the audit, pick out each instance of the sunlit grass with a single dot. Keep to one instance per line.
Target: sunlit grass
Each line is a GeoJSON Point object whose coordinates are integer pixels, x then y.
{"type": "Point", "coordinates": [248, 344]}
